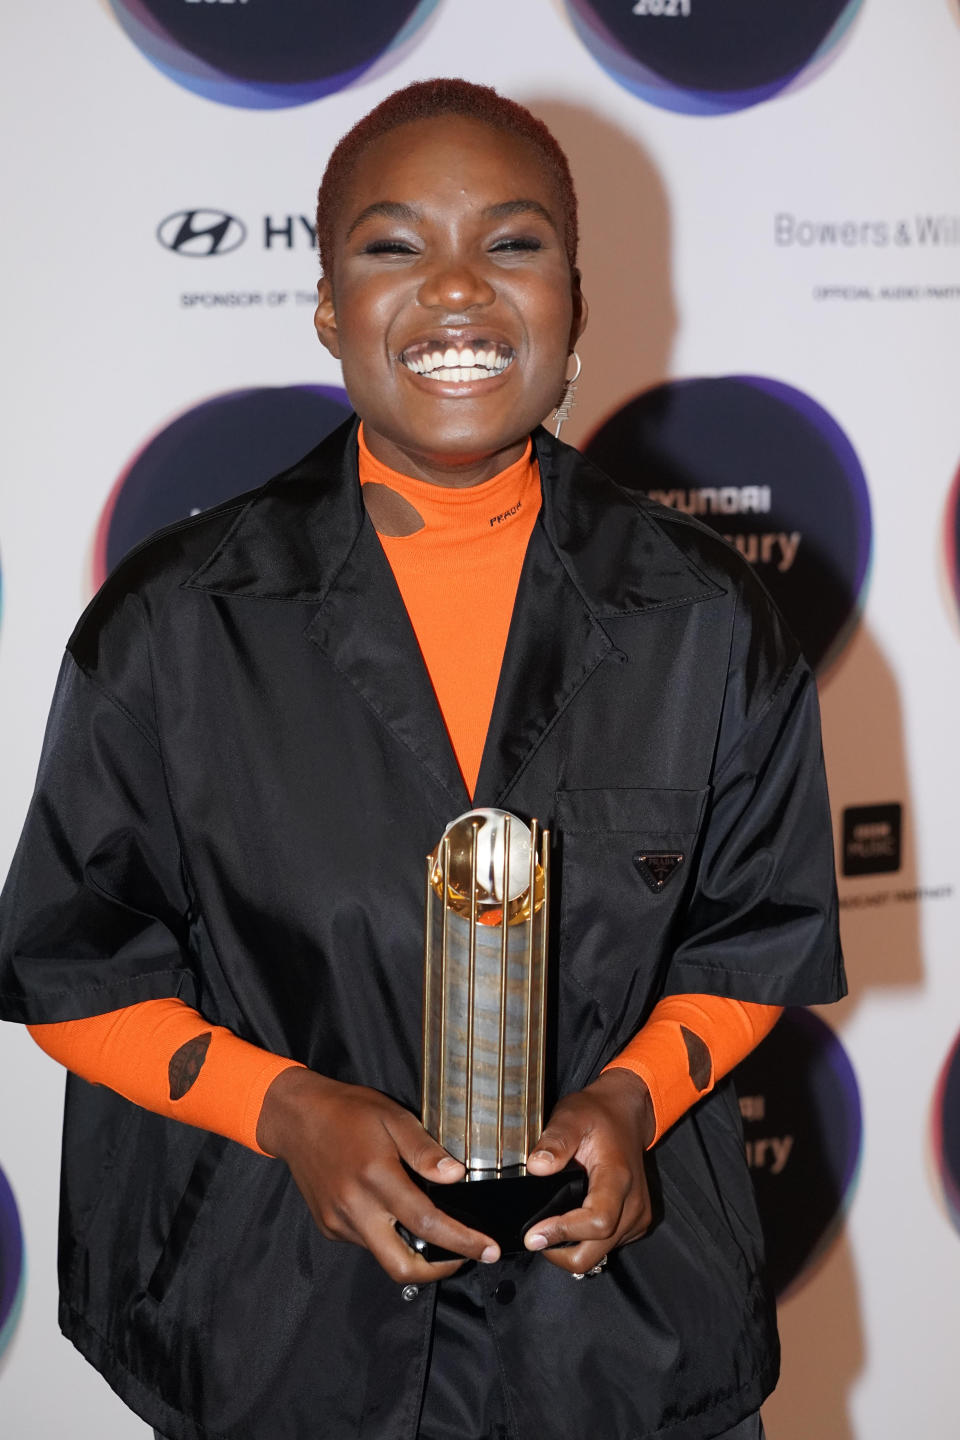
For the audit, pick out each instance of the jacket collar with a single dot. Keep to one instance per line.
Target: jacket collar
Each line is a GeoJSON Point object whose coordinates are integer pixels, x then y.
{"type": "Point", "coordinates": [596, 555]}
{"type": "Point", "coordinates": [294, 536]}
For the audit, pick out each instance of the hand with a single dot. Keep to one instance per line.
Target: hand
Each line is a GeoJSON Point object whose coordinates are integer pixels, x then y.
{"type": "Point", "coordinates": [605, 1127]}
{"type": "Point", "coordinates": [344, 1145]}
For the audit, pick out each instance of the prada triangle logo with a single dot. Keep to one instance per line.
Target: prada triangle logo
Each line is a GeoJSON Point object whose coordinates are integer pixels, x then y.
{"type": "Point", "coordinates": [657, 866]}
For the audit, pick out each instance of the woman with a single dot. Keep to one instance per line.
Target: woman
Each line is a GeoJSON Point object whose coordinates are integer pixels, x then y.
{"type": "Point", "coordinates": [266, 718]}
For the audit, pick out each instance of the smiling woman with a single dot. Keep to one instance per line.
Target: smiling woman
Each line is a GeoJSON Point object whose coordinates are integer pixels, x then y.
{"type": "Point", "coordinates": [266, 719]}
{"type": "Point", "coordinates": [452, 306]}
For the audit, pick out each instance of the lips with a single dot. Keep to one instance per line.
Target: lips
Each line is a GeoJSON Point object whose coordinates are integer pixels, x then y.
{"type": "Point", "coordinates": [436, 359]}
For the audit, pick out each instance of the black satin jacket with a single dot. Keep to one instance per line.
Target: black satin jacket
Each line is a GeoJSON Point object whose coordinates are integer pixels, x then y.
{"type": "Point", "coordinates": [244, 768]}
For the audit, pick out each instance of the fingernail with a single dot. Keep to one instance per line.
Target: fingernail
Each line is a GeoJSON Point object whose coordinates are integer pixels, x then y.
{"type": "Point", "coordinates": [541, 1155]}
{"type": "Point", "coordinates": [448, 1163]}
{"type": "Point", "coordinates": [536, 1242]}
{"type": "Point", "coordinates": [490, 1255]}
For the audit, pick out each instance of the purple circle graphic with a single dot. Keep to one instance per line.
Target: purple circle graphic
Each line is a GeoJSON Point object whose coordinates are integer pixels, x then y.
{"type": "Point", "coordinates": [213, 451]}
{"type": "Point", "coordinates": [803, 1129]}
{"type": "Point", "coordinates": [11, 1263]}
{"type": "Point", "coordinates": [699, 57]}
{"type": "Point", "coordinates": [770, 470]}
{"type": "Point", "coordinates": [946, 1131]}
{"type": "Point", "coordinates": [265, 56]}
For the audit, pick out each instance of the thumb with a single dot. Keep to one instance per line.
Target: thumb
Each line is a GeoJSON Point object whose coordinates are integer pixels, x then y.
{"type": "Point", "coordinates": [555, 1148]}
{"type": "Point", "coordinates": [422, 1153]}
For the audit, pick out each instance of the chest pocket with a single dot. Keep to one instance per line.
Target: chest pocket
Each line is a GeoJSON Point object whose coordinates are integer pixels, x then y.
{"type": "Point", "coordinates": [626, 864]}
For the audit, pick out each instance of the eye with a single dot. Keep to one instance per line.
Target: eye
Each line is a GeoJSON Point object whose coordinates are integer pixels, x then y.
{"type": "Point", "coordinates": [513, 244]}
{"type": "Point", "coordinates": [388, 247]}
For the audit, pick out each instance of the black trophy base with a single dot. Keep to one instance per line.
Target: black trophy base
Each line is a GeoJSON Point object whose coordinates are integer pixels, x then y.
{"type": "Point", "coordinates": [502, 1206]}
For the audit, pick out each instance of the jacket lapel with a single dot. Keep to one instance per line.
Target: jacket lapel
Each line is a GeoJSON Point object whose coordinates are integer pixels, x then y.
{"type": "Point", "coordinates": [595, 554]}
{"type": "Point", "coordinates": [306, 537]}
{"type": "Point", "coordinates": [364, 630]}
{"type": "Point", "coordinates": [553, 646]}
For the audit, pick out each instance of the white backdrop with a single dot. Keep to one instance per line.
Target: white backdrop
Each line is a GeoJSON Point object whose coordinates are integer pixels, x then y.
{"type": "Point", "coordinates": [688, 272]}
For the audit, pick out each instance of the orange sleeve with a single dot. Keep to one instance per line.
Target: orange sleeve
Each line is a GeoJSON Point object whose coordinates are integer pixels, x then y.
{"type": "Point", "coordinates": [218, 1083]}
{"type": "Point", "coordinates": [729, 1029]}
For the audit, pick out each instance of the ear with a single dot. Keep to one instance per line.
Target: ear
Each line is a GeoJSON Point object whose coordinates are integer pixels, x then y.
{"type": "Point", "coordinates": [580, 312]}
{"type": "Point", "coordinates": [325, 319]}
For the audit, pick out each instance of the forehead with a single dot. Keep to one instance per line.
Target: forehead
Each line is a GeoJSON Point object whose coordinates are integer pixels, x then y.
{"type": "Point", "coordinates": [449, 159]}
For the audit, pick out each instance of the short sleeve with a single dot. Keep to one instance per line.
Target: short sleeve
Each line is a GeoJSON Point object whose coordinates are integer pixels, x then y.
{"type": "Point", "coordinates": [95, 911]}
{"type": "Point", "coordinates": [762, 920]}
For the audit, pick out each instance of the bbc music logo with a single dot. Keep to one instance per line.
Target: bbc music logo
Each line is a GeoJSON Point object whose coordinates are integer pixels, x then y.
{"type": "Point", "coordinates": [204, 232]}
{"type": "Point", "coordinates": [699, 57]}
{"type": "Point", "coordinates": [217, 449]}
{"type": "Point", "coordinates": [803, 1131]}
{"type": "Point", "coordinates": [872, 839]}
{"type": "Point", "coordinates": [773, 472]}
{"type": "Point", "coordinates": [11, 1262]}
{"type": "Point", "coordinates": [268, 56]}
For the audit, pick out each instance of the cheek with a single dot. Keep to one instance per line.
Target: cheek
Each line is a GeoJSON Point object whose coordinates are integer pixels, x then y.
{"type": "Point", "coordinates": [548, 311]}
{"type": "Point", "coordinates": [364, 317]}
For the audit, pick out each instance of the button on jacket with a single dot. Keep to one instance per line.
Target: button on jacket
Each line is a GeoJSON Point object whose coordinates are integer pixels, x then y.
{"type": "Point", "coordinates": [244, 769]}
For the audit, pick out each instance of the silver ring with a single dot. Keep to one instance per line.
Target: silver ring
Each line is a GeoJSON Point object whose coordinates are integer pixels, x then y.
{"type": "Point", "coordinates": [594, 1269]}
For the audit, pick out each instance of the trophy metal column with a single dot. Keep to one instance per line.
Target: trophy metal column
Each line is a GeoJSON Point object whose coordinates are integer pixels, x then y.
{"type": "Point", "coordinates": [485, 990]}
{"type": "Point", "coordinates": [484, 1024]}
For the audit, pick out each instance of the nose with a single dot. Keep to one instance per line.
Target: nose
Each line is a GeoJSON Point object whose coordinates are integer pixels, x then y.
{"type": "Point", "coordinates": [455, 284]}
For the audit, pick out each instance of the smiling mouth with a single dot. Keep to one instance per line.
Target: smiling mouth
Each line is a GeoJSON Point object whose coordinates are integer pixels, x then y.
{"type": "Point", "coordinates": [484, 360]}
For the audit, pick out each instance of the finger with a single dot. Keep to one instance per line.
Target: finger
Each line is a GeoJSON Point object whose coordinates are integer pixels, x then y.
{"type": "Point", "coordinates": [598, 1218]}
{"type": "Point", "coordinates": [556, 1147]}
{"type": "Point", "coordinates": [421, 1152]}
{"type": "Point", "coordinates": [395, 1197]}
{"type": "Point", "coordinates": [579, 1259]}
{"type": "Point", "coordinates": [404, 1264]}
{"type": "Point", "coordinates": [417, 1213]}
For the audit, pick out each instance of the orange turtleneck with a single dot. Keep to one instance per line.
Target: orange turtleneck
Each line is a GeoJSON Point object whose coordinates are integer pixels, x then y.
{"type": "Point", "coordinates": [448, 549]}
{"type": "Point", "coordinates": [457, 572]}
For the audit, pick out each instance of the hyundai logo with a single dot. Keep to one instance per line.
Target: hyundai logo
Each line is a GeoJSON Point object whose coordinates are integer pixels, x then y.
{"type": "Point", "coordinates": [201, 232]}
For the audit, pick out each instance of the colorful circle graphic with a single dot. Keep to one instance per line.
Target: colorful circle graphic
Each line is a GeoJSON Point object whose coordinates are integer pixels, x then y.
{"type": "Point", "coordinates": [268, 56]}
{"type": "Point", "coordinates": [952, 536]}
{"type": "Point", "coordinates": [772, 471]}
{"type": "Point", "coordinates": [210, 453]}
{"type": "Point", "coordinates": [703, 58]}
{"type": "Point", "coordinates": [11, 1263]}
{"type": "Point", "coordinates": [946, 1131]}
{"type": "Point", "coordinates": [803, 1129]}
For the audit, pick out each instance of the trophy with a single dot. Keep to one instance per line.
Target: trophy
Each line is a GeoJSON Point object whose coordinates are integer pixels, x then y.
{"type": "Point", "coordinates": [484, 1025]}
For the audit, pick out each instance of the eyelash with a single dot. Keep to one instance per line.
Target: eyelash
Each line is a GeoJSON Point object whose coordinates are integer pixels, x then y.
{"type": "Point", "coordinates": [517, 242]}
{"type": "Point", "coordinates": [388, 247]}
{"type": "Point", "coordinates": [512, 244]}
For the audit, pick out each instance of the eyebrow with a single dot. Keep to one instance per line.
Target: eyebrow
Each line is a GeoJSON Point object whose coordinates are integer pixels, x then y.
{"type": "Point", "coordinates": [392, 209]}
{"type": "Point", "coordinates": [397, 210]}
{"type": "Point", "coordinates": [507, 208]}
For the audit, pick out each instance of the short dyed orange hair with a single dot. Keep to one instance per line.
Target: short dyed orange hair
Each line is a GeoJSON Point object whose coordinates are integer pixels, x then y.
{"type": "Point", "coordinates": [425, 100]}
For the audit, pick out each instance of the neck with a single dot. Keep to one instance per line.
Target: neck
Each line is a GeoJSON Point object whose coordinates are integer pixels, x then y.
{"type": "Point", "coordinates": [452, 472]}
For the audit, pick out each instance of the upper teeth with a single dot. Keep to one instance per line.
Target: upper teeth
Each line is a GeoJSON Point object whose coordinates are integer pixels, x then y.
{"type": "Point", "coordinates": [462, 364]}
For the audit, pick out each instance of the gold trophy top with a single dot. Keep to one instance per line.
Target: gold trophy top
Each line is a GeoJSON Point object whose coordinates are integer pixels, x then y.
{"type": "Point", "coordinates": [487, 853]}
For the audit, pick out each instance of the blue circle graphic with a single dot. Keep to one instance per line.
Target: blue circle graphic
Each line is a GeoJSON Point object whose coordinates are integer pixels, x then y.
{"type": "Point", "coordinates": [700, 57]}
{"type": "Point", "coordinates": [803, 1130]}
{"type": "Point", "coordinates": [770, 470]}
{"type": "Point", "coordinates": [272, 55]}
{"type": "Point", "coordinates": [11, 1263]}
{"type": "Point", "coordinates": [214, 451]}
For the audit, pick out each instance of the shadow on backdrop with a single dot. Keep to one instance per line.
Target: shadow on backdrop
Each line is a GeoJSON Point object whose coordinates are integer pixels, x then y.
{"type": "Point", "coordinates": [626, 264]}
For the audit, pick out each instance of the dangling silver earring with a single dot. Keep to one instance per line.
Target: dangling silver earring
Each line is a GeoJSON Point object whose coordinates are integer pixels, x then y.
{"type": "Point", "coordinates": [569, 396]}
